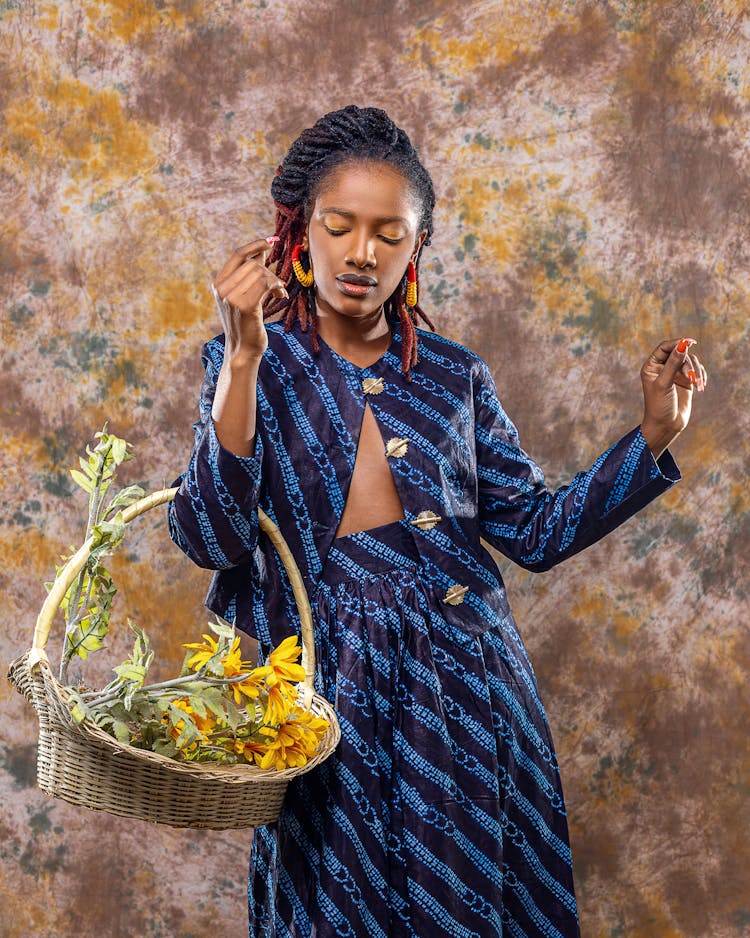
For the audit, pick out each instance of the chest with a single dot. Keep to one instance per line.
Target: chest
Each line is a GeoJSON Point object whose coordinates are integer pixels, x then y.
{"type": "Point", "coordinates": [318, 415]}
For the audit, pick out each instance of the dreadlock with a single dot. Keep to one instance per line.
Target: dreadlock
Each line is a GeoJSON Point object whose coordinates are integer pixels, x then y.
{"type": "Point", "coordinates": [349, 135]}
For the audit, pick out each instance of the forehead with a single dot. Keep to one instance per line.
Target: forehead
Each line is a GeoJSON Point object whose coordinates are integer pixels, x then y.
{"type": "Point", "coordinates": [368, 190]}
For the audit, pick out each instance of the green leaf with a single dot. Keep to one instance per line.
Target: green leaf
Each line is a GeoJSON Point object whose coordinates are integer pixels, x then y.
{"type": "Point", "coordinates": [80, 479]}
{"type": "Point", "coordinates": [125, 497]}
{"type": "Point", "coordinates": [222, 630]}
{"type": "Point", "coordinates": [121, 731]}
{"type": "Point", "coordinates": [175, 714]}
{"type": "Point", "coordinates": [198, 706]}
{"type": "Point", "coordinates": [130, 672]}
{"type": "Point", "coordinates": [91, 643]}
{"type": "Point", "coordinates": [119, 449]}
{"type": "Point", "coordinates": [165, 747]}
{"type": "Point", "coordinates": [189, 734]}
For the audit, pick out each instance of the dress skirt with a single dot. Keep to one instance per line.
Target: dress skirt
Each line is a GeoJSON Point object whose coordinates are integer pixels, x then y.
{"type": "Point", "coordinates": [441, 811]}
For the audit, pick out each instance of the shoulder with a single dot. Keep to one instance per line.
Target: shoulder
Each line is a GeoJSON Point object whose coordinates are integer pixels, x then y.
{"type": "Point", "coordinates": [443, 352]}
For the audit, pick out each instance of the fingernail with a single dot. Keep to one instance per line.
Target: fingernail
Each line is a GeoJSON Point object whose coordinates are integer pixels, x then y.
{"type": "Point", "coordinates": [273, 239]}
{"type": "Point", "coordinates": [684, 344]}
{"type": "Point", "coordinates": [692, 376]}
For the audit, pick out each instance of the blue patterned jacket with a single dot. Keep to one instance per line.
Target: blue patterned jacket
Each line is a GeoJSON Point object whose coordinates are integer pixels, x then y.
{"type": "Point", "coordinates": [457, 465]}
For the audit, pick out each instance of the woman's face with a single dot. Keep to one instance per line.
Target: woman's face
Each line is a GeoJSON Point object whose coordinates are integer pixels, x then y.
{"type": "Point", "coordinates": [363, 226]}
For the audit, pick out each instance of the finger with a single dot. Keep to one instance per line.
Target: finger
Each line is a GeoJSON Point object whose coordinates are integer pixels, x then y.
{"type": "Point", "coordinates": [662, 351]}
{"type": "Point", "coordinates": [673, 358]}
{"type": "Point", "coordinates": [258, 282]}
{"type": "Point", "coordinates": [700, 373]}
{"type": "Point", "coordinates": [254, 262]}
{"type": "Point", "coordinates": [251, 250]}
{"type": "Point", "coordinates": [692, 368]}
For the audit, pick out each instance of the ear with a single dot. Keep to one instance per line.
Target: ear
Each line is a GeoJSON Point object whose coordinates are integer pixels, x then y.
{"type": "Point", "coordinates": [305, 241]}
{"type": "Point", "coordinates": [418, 245]}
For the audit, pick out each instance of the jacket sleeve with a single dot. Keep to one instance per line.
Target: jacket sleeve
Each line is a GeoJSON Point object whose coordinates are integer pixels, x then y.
{"type": "Point", "coordinates": [214, 515]}
{"type": "Point", "coordinates": [538, 528]}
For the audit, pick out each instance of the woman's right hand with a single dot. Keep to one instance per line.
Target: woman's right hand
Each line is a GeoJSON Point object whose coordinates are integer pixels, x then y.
{"type": "Point", "coordinates": [244, 282]}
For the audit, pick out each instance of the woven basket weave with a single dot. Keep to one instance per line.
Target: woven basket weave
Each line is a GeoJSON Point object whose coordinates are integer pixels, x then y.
{"type": "Point", "coordinates": [84, 765]}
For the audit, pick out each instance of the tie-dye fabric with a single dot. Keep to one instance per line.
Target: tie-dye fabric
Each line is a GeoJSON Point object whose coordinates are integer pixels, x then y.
{"type": "Point", "coordinates": [441, 812]}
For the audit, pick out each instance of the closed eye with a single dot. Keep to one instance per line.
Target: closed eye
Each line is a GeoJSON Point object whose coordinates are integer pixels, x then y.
{"type": "Point", "coordinates": [337, 232]}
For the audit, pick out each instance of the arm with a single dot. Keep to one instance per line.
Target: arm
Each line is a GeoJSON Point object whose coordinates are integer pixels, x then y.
{"type": "Point", "coordinates": [538, 528]}
{"type": "Point", "coordinates": [214, 516]}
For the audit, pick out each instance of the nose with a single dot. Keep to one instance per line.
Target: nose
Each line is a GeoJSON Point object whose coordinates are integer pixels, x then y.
{"type": "Point", "coordinates": [362, 252]}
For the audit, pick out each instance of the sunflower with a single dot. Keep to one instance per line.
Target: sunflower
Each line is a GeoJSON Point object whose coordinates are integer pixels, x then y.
{"type": "Point", "coordinates": [278, 703]}
{"type": "Point", "coordinates": [205, 724]}
{"type": "Point", "coordinates": [232, 660]}
{"type": "Point", "coordinates": [292, 747]}
{"type": "Point", "coordinates": [283, 660]}
{"type": "Point", "coordinates": [204, 652]}
{"type": "Point", "coordinates": [251, 685]}
{"type": "Point", "coordinates": [254, 750]}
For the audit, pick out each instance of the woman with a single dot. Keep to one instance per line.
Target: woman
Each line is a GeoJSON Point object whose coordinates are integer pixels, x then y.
{"type": "Point", "coordinates": [383, 454]}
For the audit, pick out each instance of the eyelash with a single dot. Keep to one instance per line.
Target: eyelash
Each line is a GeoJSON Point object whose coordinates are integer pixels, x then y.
{"type": "Point", "coordinates": [344, 231]}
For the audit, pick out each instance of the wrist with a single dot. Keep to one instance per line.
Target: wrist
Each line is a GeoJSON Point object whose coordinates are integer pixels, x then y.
{"type": "Point", "coordinates": [241, 359]}
{"type": "Point", "coordinates": [657, 438]}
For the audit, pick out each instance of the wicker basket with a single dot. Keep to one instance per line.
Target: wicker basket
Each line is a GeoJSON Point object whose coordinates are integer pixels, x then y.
{"type": "Point", "coordinates": [84, 765]}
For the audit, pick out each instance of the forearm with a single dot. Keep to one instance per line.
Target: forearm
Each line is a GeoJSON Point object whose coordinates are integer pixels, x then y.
{"type": "Point", "coordinates": [235, 403]}
{"type": "Point", "coordinates": [214, 515]}
{"type": "Point", "coordinates": [538, 528]}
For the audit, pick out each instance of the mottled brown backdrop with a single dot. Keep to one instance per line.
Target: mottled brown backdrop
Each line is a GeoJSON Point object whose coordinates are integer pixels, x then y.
{"type": "Point", "coordinates": [592, 170]}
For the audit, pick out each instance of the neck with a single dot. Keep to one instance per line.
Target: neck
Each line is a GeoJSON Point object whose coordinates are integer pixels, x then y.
{"type": "Point", "coordinates": [354, 335]}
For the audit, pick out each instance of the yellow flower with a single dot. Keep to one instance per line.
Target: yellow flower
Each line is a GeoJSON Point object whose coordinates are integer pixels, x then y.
{"type": "Point", "coordinates": [251, 685]}
{"type": "Point", "coordinates": [206, 650]}
{"type": "Point", "coordinates": [232, 661]}
{"type": "Point", "coordinates": [278, 704]}
{"type": "Point", "coordinates": [282, 661]}
{"type": "Point", "coordinates": [205, 724]}
{"type": "Point", "coordinates": [292, 745]}
{"type": "Point", "coordinates": [317, 725]}
{"type": "Point", "coordinates": [253, 750]}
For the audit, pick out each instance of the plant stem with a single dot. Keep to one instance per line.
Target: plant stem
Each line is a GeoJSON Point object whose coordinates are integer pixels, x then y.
{"type": "Point", "coordinates": [168, 685]}
{"type": "Point", "coordinates": [94, 506]}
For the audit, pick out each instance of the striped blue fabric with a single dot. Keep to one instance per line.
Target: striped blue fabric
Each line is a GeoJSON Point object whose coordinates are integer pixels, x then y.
{"type": "Point", "coordinates": [441, 811]}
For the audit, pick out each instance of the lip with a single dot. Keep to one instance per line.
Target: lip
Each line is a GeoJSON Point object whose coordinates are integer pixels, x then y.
{"type": "Point", "coordinates": [357, 279]}
{"type": "Point", "coordinates": [355, 289]}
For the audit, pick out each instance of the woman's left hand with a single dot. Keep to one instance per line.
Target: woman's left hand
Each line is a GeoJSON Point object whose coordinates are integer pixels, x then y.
{"type": "Point", "coordinates": [669, 376]}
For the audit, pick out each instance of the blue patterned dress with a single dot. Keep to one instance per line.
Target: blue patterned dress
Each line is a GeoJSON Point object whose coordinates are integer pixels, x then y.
{"type": "Point", "coordinates": [441, 812]}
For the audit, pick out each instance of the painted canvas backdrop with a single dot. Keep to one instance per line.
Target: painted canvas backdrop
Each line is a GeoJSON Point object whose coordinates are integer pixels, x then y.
{"type": "Point", "coordinates": [591, 166]}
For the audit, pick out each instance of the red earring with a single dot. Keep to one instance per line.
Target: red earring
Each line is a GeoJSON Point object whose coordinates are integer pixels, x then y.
{"type": "Point", "coordinates": [305, 277]}
{"type": "Point", "coordinates": [411, 285]}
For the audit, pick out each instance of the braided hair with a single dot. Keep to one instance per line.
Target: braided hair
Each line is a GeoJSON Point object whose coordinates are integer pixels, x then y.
{"type": "Point", "coordinates": [348, 135]}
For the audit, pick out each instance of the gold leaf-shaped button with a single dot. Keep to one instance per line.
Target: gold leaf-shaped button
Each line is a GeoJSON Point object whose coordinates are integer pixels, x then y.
{"type": "Point", "coordinates": [373, 385]}
{"type": "Point", "coordinates": [455, 594]}
{"type": "Point", "coordinates": [396, 446]}
{"type": "Point", "coordinates": [426, 520]}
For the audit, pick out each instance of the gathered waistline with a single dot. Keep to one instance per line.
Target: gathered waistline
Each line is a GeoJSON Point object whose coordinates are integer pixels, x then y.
{"type": "Point", "coordinates": [384, 548]}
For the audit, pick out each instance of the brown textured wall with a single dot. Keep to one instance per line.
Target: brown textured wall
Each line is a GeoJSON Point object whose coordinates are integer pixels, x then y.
{"type": "Point", "coordinates": [592, 172]}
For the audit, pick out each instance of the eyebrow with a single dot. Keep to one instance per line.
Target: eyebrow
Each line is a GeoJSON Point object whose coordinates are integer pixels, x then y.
{"type": "Point", "coordinates": [381, 221]}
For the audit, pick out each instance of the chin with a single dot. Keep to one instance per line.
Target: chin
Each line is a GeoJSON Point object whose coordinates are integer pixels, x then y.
{"type": "Point", "coordinates": [349, 305]}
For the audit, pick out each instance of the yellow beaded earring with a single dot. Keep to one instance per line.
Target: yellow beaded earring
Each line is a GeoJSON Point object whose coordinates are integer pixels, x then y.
{"type": "Point", "coordinates": [306, 278]}
{"type": "Point", "coordinates": [411, 285]}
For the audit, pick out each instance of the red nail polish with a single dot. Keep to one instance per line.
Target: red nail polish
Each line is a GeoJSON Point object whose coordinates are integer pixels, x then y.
{"type": "Point", "coordinates": [684, 344]}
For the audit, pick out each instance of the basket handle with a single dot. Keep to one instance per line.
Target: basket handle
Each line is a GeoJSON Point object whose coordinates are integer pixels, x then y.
{"type": "Point", "coordinates": [76, 563]}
